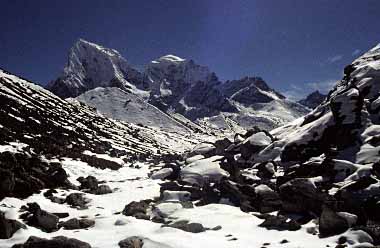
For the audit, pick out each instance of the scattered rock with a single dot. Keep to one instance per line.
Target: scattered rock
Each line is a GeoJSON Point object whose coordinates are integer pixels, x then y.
{"type": "Point", "coordinates": [56, 242]}
{"type": "Point", "coordinates": [162, 174]}
{"type": "Point", "coordinates": [131, 242]}
{"type": "Point", "coordinates": [280, 223]}
{"type": "Point", "coordinates": [184, 225]}
{"type": "Point", "coordinates": [75, 223]}
{"type": "Point", "coordinates": [8, 227]}
{"type": "Point", "coordinates": [101, 190]}
{"type": "Point", "coordinates": [301, 195]}
{"type": "Point", "coordinates": [39, 218]}
{"type": "Point", "coordinates": [89, 182]}
{"type": "Point", "coordinates": [120, 222]}
{"type": "Point", "coordinates": [330, 223]}
{"type": "Point", "coordinates": [136, 208]}
{"type": "Point", "coordinates": [181, 196]}
{"type": "Point", "coordinates": [77, 200]}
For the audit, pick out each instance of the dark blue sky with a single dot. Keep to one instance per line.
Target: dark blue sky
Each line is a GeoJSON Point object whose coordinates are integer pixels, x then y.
{"type": "Point", "coordinates": [295, 45]}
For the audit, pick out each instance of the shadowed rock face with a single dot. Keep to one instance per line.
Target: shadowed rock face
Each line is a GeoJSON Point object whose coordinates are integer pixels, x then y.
{"type": "Point", "coordinates": [313, 99]}
{"type": "Point", "coordinates": [255, 87]}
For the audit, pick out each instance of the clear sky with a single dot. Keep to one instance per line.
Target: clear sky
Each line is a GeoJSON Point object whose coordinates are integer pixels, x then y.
{"type": "Point", "coordinates": [295, 45]}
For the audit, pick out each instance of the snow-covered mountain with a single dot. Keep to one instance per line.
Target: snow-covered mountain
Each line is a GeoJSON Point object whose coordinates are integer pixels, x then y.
{"type": "Point", "coordinates": [176, 86]}
{"type": "Point", "coordinates": [124, 105]}
{"type": "Point", "coordinates": [257, 105]}
{"type": "Point", "coordinates": [313, 99]}
{"type": "Point", "coordinates": [90, 66]}
{"type": "Point", "coordinates": [250, 90]}
{"type": "Point", "coordinates": [182, 86]}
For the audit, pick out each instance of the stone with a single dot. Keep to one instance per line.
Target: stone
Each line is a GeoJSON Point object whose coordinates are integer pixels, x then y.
{"type": "Point", "coordinates": [56, 242]}
{"type": "Point", "coordinates": [39, 218]}
{"type": "Point", "coordinates": [131, 242]}
{"type": "Point", "coordinates": [180, 196]}
{"type": "Point", "coordinates": [76, 200]}
{"type": "Point", "coordinates": [8, 227]}
{"type": "Point", "coordinates": [89, 182]}
{"type": "Point", "coordinates": [134, 208]}
{"type": "Point", "coordinates": [184, 225]}
{"type": "Point", "coordinates": [280, 223]}
{"type": "Point", "coordinates": [120, 222]}
{"type": "Point", "coordinates": [75, 223]}
{"type": "Point", "coordinates": [301, 195]}
{"type": "Point", "coordinates": [162, 174]}
{"type": "Point", "coordinates": [330, 223]}
{"type": "Point", "coordinates": [102, 190]}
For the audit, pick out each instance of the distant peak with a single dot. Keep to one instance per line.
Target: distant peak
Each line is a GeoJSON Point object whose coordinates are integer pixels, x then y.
{"type": "Point", "coordinates": [316, 93]}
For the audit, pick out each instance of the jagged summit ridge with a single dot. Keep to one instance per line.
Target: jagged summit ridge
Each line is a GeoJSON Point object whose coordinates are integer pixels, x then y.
{"type": "Point", "coordinates": [89, 66]}
{"type": "Point", "coordinates": [313, 99]}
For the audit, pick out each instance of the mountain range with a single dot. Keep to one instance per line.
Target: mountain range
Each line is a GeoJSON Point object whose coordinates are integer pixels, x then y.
{"type": "Point", "coordinates": [182, 90]}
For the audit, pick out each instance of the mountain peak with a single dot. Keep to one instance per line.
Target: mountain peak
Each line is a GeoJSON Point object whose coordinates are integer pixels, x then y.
{"type": "Point", "coordinates": [313, 99]}
{"type": "Point", "coordinates": [91, 65]}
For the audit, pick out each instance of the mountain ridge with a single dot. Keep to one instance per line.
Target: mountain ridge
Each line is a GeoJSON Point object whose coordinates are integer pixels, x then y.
{"type": "Point", "coordinates": [174, 85]}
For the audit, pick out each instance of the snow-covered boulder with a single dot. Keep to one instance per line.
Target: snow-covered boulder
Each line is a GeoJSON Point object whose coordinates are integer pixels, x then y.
{"type": "Point", "coordinates": [162, 174]}
{"type": "Point", "coordinates": [205, 170]}
{"type": "Point", "coordinates": [178, 196]}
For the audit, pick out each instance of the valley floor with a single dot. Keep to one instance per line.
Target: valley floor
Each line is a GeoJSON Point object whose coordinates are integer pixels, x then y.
{"type": "Point", "coordinates": [238, 229]}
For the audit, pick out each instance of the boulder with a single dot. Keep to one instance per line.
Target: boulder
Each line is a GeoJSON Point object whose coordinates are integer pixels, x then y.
{"type": "Point", "coordinates": [131, 242]}
{"type": "Point", "coordinates": [254, 144]}
{"type": "Point", "coordinates": [75, 223]}
{"type": "Point", "coordinates": [165, 209]}
{"type": "Point", "coordinates": [331, 223]}
{"type": "Point", "coordinates": [301, 195]}
{"type": "Point", "coordinates": [203, 171]}
{"type": "Point", "coordinates": [186, 226]}
{"type": "Point", "coordinates": [266, 170]}
{"type": "Point", "coordinates": [222, 145]}
{"type": "Point", "coordinates": [8, 227]}
{"type": "Point", "coordinates": [281, 223]}
{"type": "Point", "coordinates": [135, 208]}
{"type": "Point", "coordinates": [77, 200]}
{"type": "Point", "coordinates": [267, 200]}
{"type": "Point", "coordinates": [7, 182]}
{"type": "Point", "coordinates": [162, 174]}
{"type": "Point", "coordinates": [179, 196]}
{"type": "Point", "coordinates": [56, 242]}
{"type": "Point", "coordinates": [39, 218]}
{"type": "Point", "coordinates": [205, 149]}
{"type": "Point", "coordinates": [89, 182]}
{"type": "Point", "coordinates": [102, 190]}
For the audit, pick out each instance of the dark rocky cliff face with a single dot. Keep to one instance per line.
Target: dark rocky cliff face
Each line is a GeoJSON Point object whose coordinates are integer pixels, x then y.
{"type": "Point", "coordinates": [313, 99]}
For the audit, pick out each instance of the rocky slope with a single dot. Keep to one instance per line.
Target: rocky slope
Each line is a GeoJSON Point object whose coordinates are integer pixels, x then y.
{"type": "Point", "coordinates": [177, 87]}
{"type": "Point", "coordinates": [124, 105]}
{"type": "Point", "coordinates": [37, 125]}
{"type": "Point", "coordinates": [313, 99]}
